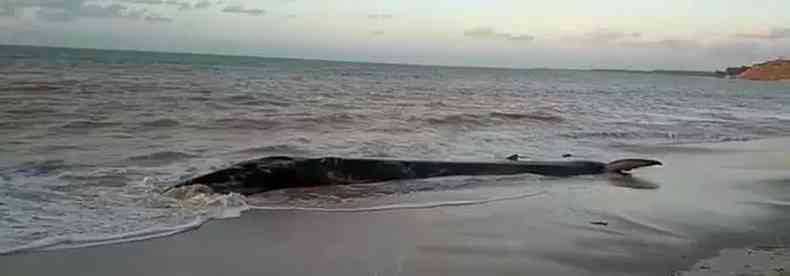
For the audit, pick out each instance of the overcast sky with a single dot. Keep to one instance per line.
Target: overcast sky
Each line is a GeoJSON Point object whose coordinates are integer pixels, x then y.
{"type": "Point", "coordinates": [644, 34]}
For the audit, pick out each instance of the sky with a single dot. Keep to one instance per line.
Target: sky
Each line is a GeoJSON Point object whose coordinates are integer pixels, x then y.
{"type": "Point", "coordinates": [577, 34]}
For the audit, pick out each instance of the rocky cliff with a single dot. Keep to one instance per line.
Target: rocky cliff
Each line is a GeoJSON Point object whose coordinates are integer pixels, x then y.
{"type": "Point", "coordinates": [768, 71]}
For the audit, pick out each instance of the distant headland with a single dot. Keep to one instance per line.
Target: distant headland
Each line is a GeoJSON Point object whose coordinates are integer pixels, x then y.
{"type": "Point", "coordinates": [767, 71]}
{"type": "Point", "coordinates": [775, 70]}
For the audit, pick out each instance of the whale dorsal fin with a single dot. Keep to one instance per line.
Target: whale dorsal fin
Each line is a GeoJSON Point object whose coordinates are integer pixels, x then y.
{"type": "Point", "coordinates": [513, 157]}
{"type": "Point", "coordinates": [624, 165]}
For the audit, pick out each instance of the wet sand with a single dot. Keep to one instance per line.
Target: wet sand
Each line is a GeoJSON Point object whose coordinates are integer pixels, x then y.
{"type": "Point", "coordinates": [706, 198]}
{"type": "Point", "coordinates": [756, 261]}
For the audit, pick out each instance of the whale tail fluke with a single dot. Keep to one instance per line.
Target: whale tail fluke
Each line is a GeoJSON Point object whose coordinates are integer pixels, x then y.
{"type": "Point", "coordinates": [622, 166]}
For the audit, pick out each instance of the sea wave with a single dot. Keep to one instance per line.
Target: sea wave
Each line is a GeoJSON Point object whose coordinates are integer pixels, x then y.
{"type": "Point", "coordinates": [274, 149]}
{"type": "Point", "coordinates": [87, 125]}
{"type": "Point", "coordinates": [533, 116]}
{"type": "Point", "coordinates": [240, 123]}
{"type": "Point", "coordinates": [102, 176]}
{"type": "Point", "coordinates": [161, 123]}
{"type": "Point", "coordinates": [42, 167]}
{"type": "Point", "coordinates": [29, 111]}
{"type": "Point", "coordinates": [335, 118]}
{"type": "Point", "coordinates": [614, 134]}
{"type": "Point", "coordinates": [191, 207]}
{"type": "Point", "coordinates": [489, 119]}
{"type": "Point", "coordinates": [160, 158]}
{"type": "Point", "coordinates": [29, 88]}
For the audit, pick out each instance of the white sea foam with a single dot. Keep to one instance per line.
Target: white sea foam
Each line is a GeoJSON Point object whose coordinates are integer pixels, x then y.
{"type": "Point", "coordinates": [403, 206]}
{"type": "Point", "coordinates": [207, 206]}
{"type": "Point", "coordinates": [79, 240]}
{"type": "Point", "coordinates": [193, 202]}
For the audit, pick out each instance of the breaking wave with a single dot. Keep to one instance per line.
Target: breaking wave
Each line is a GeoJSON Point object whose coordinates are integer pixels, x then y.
{"type": "Point", "coordinates": [87, 124]}
{"type": "Point", "coordinates": [490, 119]}
{"type": "Point", "coordinates": [161, 123]}
{"type": "Point", "coordinates": [160, 158]}
{"type": "Point", "coordinates": [200, 205]}
{"type": "Point", "coordinates": [192, 204]}
{"type": "Point", "coordinates": [79, 241]}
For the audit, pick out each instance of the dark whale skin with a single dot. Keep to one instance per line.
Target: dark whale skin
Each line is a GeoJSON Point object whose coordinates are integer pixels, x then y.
{"type": "Point", "coordinates": [279, 172]}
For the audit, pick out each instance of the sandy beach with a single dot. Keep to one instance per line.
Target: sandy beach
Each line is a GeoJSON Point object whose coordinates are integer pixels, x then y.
{"type": "Point", "coordinates": [665, 220]}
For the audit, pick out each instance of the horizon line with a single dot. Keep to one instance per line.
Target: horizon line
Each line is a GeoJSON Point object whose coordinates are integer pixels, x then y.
{"type": "Point", "coordinates": [345, 61]}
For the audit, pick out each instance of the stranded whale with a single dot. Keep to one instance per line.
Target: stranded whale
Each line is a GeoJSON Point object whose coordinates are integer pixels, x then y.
{"type": "Point", "coordinates": [279, 172]}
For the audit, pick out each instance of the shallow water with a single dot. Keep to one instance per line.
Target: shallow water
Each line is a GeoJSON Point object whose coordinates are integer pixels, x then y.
{"type": "Point", "coordinates": [89, 138]}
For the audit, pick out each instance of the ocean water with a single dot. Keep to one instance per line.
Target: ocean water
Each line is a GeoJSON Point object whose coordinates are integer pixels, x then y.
{"type": "Point", "coordinates": [90, 138]}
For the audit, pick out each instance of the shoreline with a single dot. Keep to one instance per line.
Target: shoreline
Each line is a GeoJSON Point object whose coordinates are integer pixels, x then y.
{"type": "Point", "coordinates": [647, 232]}
{"type": "Point", "coordinates": [165, 232]}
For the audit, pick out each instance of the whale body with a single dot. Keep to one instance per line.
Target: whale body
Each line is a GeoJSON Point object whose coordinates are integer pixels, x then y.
{"type": "Point", "coordinates": [280, 172]}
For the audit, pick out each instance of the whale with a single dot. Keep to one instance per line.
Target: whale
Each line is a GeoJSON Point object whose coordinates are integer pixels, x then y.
{"type": "Point", "coordinates": [281, 172]}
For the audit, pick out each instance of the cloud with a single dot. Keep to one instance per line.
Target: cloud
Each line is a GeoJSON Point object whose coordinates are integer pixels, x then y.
{"type": "Point", "coordinates": [69, 10]}
{"type": "Point", "coordinates": [158, 19]}
{"type": "Point", "coordinates": [667, 44]}
{"type": "Point", "coordinates": [382, 16]}
{"type": "Point", "coordinates": [203, 4]}
{"type": "Point", "coordinates": [148, 2]}
{"type": "Point", "coordinates": [775, 33]}
{"type": "Point", "coordinates": [6, 10]}
{"type": "Point", "coordinates": [490, 33]}
{"type": "Point", "coordinates": [678, 43]}
{"type": "Point", "coordinates": [749, 49]}
{"type": "Point", "coordinates": [609, 35]}
{"type": "Point", "coordinates": [181, 5]}
{"type": "Point", "coordinates": [240, 9]}
{"type": "Point", "coordinates": [522, 37]}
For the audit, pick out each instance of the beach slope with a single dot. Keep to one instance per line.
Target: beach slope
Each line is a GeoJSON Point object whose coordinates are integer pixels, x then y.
{"type": "Point", "coordinates": [706, 198]}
